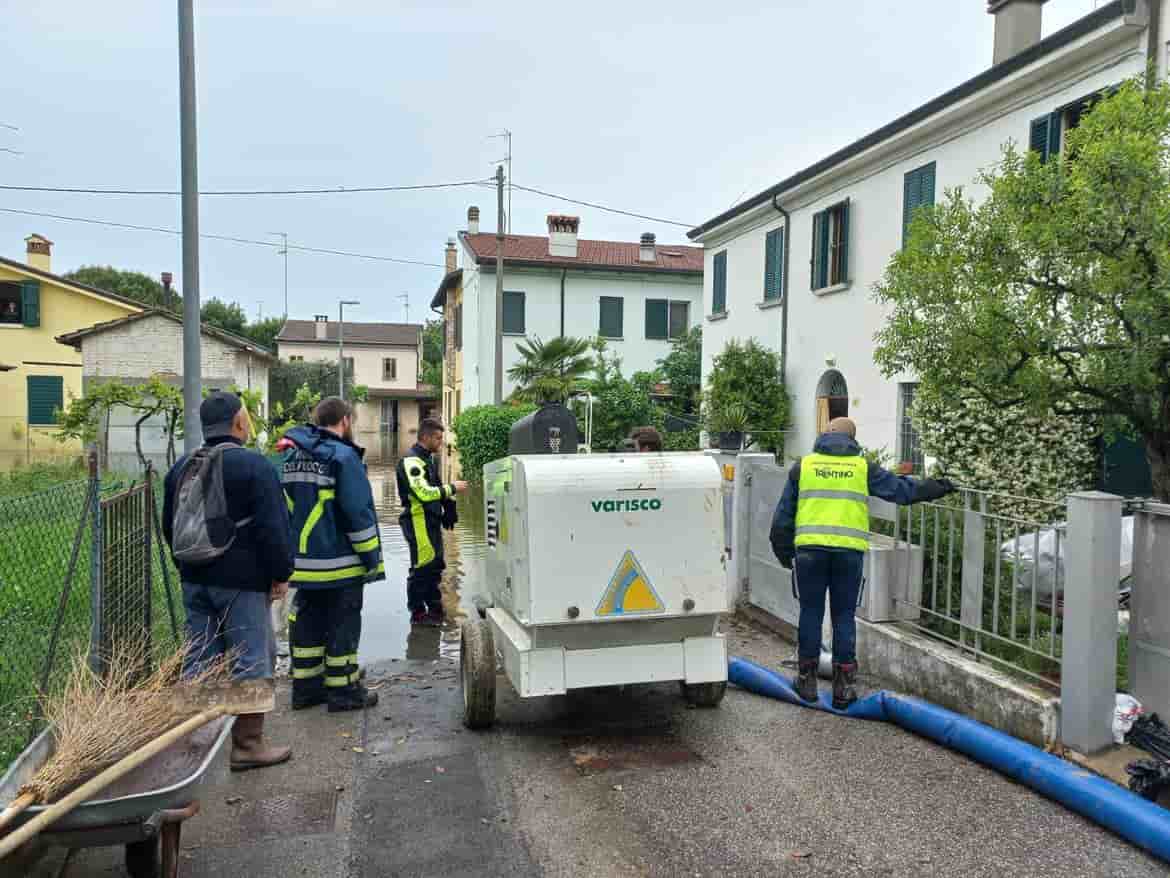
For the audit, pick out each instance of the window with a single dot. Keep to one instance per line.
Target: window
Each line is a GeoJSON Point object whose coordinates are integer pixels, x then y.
{"type": "Point", "coordinates": [611, 317]}
{"type": "Point", "coordinates": [718, 283]}
{"type": "Point", "coordinates": [830, 250]}
{"type": "Point", "coordinates": [1046, 135]}
{"type": "Point", "coordinates": [389, 369]}
{"type": "Point", "coordinates": [348, 364]}
{"type": "Point", "coordinates": [666, 319]}
{"type": "Point", "coordinates": [46, 396]}
{"type": "Point", "coordinates": [296, 358]}
{"type": "Point", "coordinates": [458, 402]}
{"type": "Point", "coordinates": [513, 313]}
{"type": "Point", "coordinates": [459, 327]}
{"type": "Point", "coordinates": [909, 444]}
{"type": "Point", "coordinates": [774, 266]}
{"type": "Point", "coordinates": [918, 191]}
{"type": "Point", "coordinates": [20, 303]}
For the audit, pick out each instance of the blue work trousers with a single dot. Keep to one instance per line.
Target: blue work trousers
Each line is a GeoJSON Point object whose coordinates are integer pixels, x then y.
{"type": "Point", "coordinates": [837, 572]}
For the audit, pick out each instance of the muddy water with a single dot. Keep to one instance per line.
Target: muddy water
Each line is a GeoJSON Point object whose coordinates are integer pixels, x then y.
{"type": "Point", "coordinates": [386, 629]}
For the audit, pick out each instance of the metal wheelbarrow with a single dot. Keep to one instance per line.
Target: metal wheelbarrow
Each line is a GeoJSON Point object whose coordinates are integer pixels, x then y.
{"type": "Point", "coordinates": [144, 810]}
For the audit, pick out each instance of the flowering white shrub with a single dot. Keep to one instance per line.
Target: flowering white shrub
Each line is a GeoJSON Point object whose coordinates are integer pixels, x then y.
{"type": "Point", "coordinates": [1006, 450]}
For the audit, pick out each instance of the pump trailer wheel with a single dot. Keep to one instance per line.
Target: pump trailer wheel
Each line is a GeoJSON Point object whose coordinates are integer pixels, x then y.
{"type": "Point", "coordinates": [477, 676]}
{"type": "Point", "coordinates": [704, 694]}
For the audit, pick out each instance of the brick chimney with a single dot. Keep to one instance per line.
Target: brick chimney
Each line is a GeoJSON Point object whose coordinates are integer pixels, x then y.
{"type": "Point", "coordinates": [562, 235]}
{"type": "Point", "coordinates": [451, 257]}
{"type": "Point", "coordinates": [473, 220]}
{"type": "Point", "coordinates": [39, 250]}
{"type": "Point", "coordinates": [167, 280]}
{"type": "Point", "coordinates": [647, 252]}
{"type": "Point", "coordinates": [1017, 26]}
{"type": "Point", "coordinates": [322, 326]}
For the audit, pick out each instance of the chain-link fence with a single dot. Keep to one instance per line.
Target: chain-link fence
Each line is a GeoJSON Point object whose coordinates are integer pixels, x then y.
{"type": "Point", "coordinates": [82, 570]}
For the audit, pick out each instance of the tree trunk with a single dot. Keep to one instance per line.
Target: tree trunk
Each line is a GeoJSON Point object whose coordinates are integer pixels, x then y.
{"type": "Point", "coordinates": [1158, 455]}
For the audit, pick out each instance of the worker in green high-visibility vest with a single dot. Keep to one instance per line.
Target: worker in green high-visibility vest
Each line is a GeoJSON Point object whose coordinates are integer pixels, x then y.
{"type": "Point", "coordinates": [821, 532]}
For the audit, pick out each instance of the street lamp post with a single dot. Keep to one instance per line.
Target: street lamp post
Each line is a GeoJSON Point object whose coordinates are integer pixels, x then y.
{"type": "Point", "coordinates": [341, 345]}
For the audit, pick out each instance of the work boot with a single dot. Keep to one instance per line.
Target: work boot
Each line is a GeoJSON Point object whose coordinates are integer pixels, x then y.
{"type": "Point", "coordinates": [248, 747]}
{"type": "Point", "coordinates": [806, 680]}
{"type": "Point", "coordinates": [844, 684]}
{"type": "Point", "coordinates": [355, 698]}
{"type": "Point", "coordinates": [308, 697]}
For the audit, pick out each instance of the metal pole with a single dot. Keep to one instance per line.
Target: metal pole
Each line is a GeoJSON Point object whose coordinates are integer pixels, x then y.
{"type": "Point", "coordinates": [499, 389]}
{"type": "Point", "coordinates": [340, 350]}
{"type": "Point", "coordinates": [509, 182]}
{"type": "Point", "coordinates": [284, 250]}
{"type": "Point", "coordinates": [192, 375]}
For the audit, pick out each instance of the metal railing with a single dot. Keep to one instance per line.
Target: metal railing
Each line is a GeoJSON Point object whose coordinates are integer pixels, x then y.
{"type": "Point", "coordinates": [992, 576]}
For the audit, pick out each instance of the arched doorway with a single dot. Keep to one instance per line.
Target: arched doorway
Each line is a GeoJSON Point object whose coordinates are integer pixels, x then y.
{"type": "Point", "coordinates": [832, 399]}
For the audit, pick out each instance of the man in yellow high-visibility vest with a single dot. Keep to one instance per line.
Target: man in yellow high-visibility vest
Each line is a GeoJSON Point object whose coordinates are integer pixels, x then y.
{"type": "Point", "coordinates": [821, 532]}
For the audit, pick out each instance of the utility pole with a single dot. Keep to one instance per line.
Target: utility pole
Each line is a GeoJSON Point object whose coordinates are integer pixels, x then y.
{"type": "Point", "coordinates": [405, 297]}
{"type": "Point", "coordinates": [283, 251]}
{"type": "Point", "coordinates": [192, 371]}
{"type": "Point", "coordinates": [507, 135]}
{"type": "Point", "coordinates": [499, 394]}
{"type": "Point", "coordinates": [341, 345]}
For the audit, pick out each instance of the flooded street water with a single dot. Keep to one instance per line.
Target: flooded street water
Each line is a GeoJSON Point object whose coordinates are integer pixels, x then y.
{"type": "Point", "coordinates": [386, 629]}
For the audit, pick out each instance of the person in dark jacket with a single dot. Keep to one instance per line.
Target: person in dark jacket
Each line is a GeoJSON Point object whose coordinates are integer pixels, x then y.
{"type": "Point", "coordinates": [646, 439]}
{"type": "Point", "coordinates": [427, 507]}
{"type": "Point", "coordinates": [338, 551]}
{"type": "Point", "coordinates": [227, 600]}
{"type": "Point", "coordinates": [821, 531]}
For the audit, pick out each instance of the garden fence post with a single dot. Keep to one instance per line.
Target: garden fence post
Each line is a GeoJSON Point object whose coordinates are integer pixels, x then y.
{"type": "Point", "coordinates": [971, 596]}
{"type": "Point", "coordinates": [1088, 667]}
{"type": "Point", "coordinates": [95, 563]}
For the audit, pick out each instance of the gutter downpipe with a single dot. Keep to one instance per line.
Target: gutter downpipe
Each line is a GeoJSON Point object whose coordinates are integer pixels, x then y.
{"type": "Point", "coordinates": [1154, 40]}
{"type": "Point", "coordinates": [784, 290]}
{"type": "Point", "coordinates": [564, 273]}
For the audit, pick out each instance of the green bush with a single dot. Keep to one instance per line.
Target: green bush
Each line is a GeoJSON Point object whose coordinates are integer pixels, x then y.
{"type": "Point", "coordinates": [745, 380]}
{"type": "Point", "coordinates": [481, 435]}
{"type": "Point", "coordinates": [41, 476]}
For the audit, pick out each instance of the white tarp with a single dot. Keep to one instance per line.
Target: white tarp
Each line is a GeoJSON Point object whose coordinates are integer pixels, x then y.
{"type": "Point", "coordinates": [1049, 566]}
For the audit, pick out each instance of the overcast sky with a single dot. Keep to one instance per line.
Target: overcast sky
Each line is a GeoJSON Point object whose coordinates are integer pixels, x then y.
{"type": "Point", "coordinates": [673, 110]}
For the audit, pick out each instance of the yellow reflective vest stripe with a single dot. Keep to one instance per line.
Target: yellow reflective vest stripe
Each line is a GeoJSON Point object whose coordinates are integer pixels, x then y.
{"type": "Point", "coordinates": [832, 507]}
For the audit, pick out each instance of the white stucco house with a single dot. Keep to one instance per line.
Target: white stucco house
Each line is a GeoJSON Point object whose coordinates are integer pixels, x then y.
{"type": "Point", "coordinates": [794, 265]}
{"type": "Point", "coordinates": [638, 295]}
{"type": "Point", "coordinates": [133, 349]}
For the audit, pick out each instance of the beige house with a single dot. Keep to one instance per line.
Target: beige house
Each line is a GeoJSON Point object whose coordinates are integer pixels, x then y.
{"type": "Point", "coordinates": [385, 359]}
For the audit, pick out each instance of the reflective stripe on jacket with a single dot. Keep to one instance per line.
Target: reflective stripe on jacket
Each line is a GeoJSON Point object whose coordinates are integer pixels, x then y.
{"type": "Point", "coordinates": [422, 496]}
{"type": "Point", "coordinates": [832, 508]}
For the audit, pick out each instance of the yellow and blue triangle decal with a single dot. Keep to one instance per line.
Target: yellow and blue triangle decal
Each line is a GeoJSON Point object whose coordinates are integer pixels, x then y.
{"type": "Point", "coordinates": [629, 592]}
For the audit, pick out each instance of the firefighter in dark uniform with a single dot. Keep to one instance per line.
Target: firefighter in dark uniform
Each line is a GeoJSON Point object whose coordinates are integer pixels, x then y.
{"type": "Point", "coordinates": [427, 508]}
{"type": "Point", "coordinates": [338, 551]}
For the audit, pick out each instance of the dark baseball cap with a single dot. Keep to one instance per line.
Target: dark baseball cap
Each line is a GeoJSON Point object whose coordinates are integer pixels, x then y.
{"type": "Point", "coordinates": [217, 412]}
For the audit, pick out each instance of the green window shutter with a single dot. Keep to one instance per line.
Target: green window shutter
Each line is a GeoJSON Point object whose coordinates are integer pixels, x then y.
{"type": "Point", "coordinates": [814, 260]}
{"type": "Point", "coordinates": [822, 233]}
{"type": "Point", "coordinates": [30, 303]}
{"type": "Point", "coordinates": [918, 191]}
{"type": "Point", "coordinates": [46, 396]}
{"type": "Point", "coordinates": [719, 288]}
{"type": "Point", "coordinates": [1054, 126]}
{"type": "Point", "coordinates": [680, 313]}
{"type": "Point", "coordinates": [774, 265]}
{"type": "Point", "coordinates": [844, 243]}
{"type": "Point", "coordinates": [513, 313]}
{"type": "Point", "coordinates": [656, 317]}
{"type": "Point", "coordinates": [1044, 135]}
{"type": "Point", "coordinates": [459, 327]}
{"type": "Point", "coordinates": [611, 318]}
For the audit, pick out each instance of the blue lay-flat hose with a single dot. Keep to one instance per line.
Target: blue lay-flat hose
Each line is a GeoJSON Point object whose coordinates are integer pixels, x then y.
{"type": "Point", "coordinates": [1141, 822]}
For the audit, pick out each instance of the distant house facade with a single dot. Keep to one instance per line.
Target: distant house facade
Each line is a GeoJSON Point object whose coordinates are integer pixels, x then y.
{"type": "Point", "coordinates": [38, 376]}
{"type": "Point", "coordinates": [794, 266]}
{"type": "Point", "coordinates": [639, 296]}
{"type": "Point", "coordinates": [136, 348]}
{"type": "Point", "coordinates": [385, 358]}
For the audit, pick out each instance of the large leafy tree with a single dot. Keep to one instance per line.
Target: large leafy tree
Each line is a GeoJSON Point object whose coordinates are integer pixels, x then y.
{"type": "Point", "coordinates": [131, 284]}
{"type": "Point", "coordinates": [432, 364]}
{"type": "Point", "coordinates": [682, 370]}
{"type": "Point", "coordinates": [551, 371]}
{"type": "Point", "coordinates": [1052, 294]}
{"type": "Point", "coordinates": [619, 403]}
{"type": "Point", "coordinates": [230, 317]}
{"type": "Point", "coordinates": [264, 332]}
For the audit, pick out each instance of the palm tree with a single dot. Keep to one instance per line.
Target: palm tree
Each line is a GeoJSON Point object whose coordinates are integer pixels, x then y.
{"type": "Point", "coordinates": [550, 371]}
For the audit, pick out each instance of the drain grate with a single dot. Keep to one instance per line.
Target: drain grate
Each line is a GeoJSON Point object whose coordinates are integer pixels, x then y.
{"type": "Point", "coordinates": [300, 813]}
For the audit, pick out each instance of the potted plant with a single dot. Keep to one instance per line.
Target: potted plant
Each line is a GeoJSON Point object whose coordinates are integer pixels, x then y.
{"type": "Point", "coordinates": [730, 422]}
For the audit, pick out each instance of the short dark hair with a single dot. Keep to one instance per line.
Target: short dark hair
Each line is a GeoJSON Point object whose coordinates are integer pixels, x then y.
{"type": "Point", "coordinates": [647, 438]}
{"type": "Point", "coordinates": [430, 426]}
{"type": "Point", "coordinates": [331, 411]}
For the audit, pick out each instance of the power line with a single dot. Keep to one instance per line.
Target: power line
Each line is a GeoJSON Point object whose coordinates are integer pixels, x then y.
{"type": "Point", "coordinates": [654, 219]}
{"type": "Point", "coordinates": [336, 190]}
{"type": "Point", "coordinates": [229, 238]}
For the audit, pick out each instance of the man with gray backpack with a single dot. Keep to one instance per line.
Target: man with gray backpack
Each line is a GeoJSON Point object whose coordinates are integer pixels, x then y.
{"type": "Point", "coordinates": [225, 519]}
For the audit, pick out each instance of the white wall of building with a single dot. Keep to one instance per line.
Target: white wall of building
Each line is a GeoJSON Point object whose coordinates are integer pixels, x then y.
{"type": "Point", "coordinates": [839, 328]}
{"type": "Point", "coordinates": [367, 362]}
{"type": "Point", "coordinates": [542, 317]}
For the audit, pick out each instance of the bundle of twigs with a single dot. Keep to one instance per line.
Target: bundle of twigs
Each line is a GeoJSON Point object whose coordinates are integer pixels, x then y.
{"type": "Point", "coordinates": [99, 719]}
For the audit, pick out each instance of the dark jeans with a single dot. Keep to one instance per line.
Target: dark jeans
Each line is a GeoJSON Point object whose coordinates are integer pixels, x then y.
{"type": "Point", "coordinates": [324, 630]}
{"type": "Point", "coordinates": [229, 620]}
{"type": "Point", "coordinates": [839, 573]}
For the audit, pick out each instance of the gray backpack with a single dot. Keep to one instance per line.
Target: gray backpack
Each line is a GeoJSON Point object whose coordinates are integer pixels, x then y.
{"type": "Point", "coordinates": [202, 530]}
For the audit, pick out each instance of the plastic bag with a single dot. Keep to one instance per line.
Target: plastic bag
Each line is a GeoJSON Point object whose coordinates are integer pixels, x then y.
{"type": "Point", "coordinates": [1051, 568]}
{"type": "Point", "coordinates": [1126, 710]}
{"type": "Point", "coordinates": [1148, 778]}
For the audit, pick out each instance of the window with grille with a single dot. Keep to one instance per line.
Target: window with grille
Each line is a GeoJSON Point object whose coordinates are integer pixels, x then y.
{"type": "Point", "coordinates": [611, 317]}
{"type": "Point", "coordinates": [909, 444]}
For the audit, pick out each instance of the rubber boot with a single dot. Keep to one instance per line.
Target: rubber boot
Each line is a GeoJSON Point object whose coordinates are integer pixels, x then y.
{"type": "Point", "coordinates": [806, 680]}
{"type": "Point", "coordinates": [352, 698]}
{"type": "Point", "coordinates": [844, 684]}
{"type": "Point", "coordinates": [248, 747]}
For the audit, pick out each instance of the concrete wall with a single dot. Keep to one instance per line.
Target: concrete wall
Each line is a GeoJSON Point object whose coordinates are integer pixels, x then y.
{"type": "Point", "coordinates": [839, 327]}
